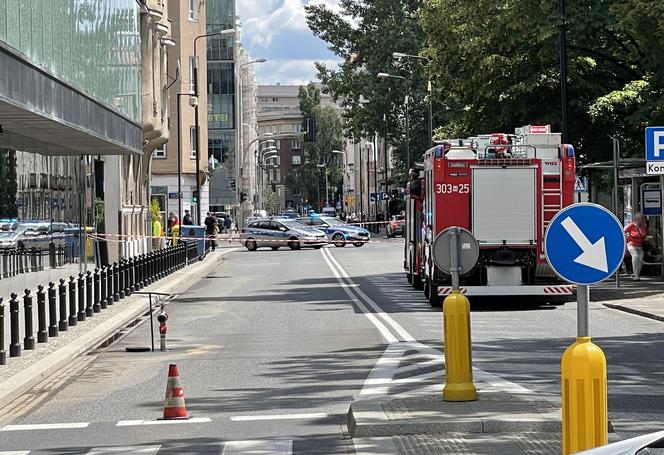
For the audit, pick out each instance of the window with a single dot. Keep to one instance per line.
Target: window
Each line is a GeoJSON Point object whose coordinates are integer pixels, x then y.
{"type": "Point", "coordinates": [193, 10]}
{"type": "Point", "coordinates": [160, 153]}
{"type": "Point", "coordinates": [192, 64]}
{"type": "Point", "coordinates": [297, 160]}
{"type": "Point", "coordinates": [192, 142]}
{"type": "Point", "coordinates": [296, 146]}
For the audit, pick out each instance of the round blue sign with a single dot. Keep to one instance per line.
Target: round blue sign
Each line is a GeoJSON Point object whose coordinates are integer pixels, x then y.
{"type": "Point", "coordinates": [584, 244]}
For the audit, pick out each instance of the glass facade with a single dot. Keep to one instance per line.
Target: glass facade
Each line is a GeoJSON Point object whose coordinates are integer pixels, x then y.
{"type": "Point", "coordinates": [93, 45]}
{"type": "Point", "coordinates": [220, 15]}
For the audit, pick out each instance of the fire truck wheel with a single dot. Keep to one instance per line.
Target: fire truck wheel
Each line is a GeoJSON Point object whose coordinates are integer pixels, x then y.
{"type": "Point", "coordinates": [418, 282]}
{"type": "Point", "coordinates": [433, 298]}
{"type": "Point", "coordinates": [409, 277]}
{"type": "Point", "coordinates": [339, 240]}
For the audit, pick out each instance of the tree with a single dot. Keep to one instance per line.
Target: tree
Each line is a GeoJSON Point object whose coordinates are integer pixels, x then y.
{"type": "Point", "coordinates": [308, 179]}
{"type": "Point", "coordinates": [364, 34]}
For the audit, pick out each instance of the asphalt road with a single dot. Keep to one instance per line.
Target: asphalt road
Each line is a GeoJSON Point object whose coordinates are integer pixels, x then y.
{"type": "Point", "coordinates": [273, 346]}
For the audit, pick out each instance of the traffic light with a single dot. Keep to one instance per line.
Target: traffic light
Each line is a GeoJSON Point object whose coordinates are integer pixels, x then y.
{"type": "Point", "coordinates": [243, 197]}
{"type": "Point", "coordinates": [194, 197]}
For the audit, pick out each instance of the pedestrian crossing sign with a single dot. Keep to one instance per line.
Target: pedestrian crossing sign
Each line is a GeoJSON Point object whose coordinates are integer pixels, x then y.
{"type": "Point", "coordinates": [580, 185]}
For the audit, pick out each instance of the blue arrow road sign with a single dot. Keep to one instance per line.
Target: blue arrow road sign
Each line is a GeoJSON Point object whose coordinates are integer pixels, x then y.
{"type": "Point", "coordinates": [655, 143]}
{"type": "Point", "coordinates": [584, 244]}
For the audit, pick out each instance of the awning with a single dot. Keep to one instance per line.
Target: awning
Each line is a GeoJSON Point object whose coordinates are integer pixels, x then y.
{"type": "Point", "coordinates": [41, 114]}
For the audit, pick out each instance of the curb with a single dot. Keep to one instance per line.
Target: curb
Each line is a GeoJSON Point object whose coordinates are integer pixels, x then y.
{"type": "Point", "coordinates": [630, 310]}
{"type": "Point", "coordinates": [369, 419]}
{"type": "Point", "coordinates": [18, 384]}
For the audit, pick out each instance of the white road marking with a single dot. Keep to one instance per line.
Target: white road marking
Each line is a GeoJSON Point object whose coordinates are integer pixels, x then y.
{"type": "Point", "coordinates": [132, 423]}
{"type": "Point", "coordinates": [46, 426]}
{"type": "Point", "coordinates": [249, 418]}
{"type": "Point", "coordinates": [387, 335]}
{"type": "Point", "coordinates": [381, 376]}
{"type": "Point", "coordinates": [258, 448]}
{"type": "Point", "coordinates": [125, 450]}
{"type": "Point", "coordinates": [15, 452]}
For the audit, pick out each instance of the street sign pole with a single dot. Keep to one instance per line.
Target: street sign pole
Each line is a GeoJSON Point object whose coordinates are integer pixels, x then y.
{"type": "Point", "coordinates": [585, 245]}
{"type": "Point", "coordinates": [454, 258]}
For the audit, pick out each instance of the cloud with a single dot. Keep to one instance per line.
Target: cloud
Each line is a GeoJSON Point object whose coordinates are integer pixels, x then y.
{"type": "Point", "coordinates": [277, 30]}
{"type": "Point", "coordinates": [288, 72]}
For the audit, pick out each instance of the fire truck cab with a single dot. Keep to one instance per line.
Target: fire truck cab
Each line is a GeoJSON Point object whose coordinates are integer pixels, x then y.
{"type": "Point", "coordinates": [505, 189]}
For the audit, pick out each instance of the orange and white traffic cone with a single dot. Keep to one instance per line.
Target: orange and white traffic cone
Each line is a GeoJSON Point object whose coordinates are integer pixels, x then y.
{"type": "Point", "coordinates": [174, 407]}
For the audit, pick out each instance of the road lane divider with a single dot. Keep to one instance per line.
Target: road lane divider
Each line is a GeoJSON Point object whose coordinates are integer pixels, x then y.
{"type": "Point", "coordinates": [46, 426]}
{"type": "Point", "coordinates": [305, 416]}
{"type": "Point", "coordinates": [138, 423]}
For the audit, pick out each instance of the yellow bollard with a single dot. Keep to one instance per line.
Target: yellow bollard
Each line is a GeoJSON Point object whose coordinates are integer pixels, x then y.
{"type": "Point", "coordinates": [584, 401]}
{"type": "Point", "coordinates": [458, 356]}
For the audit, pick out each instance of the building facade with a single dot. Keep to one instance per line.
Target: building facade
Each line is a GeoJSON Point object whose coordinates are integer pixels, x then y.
{"type": "Point", "coordinates": [70, 99]}
{"type": "Point", "coordinates": [177, 157]}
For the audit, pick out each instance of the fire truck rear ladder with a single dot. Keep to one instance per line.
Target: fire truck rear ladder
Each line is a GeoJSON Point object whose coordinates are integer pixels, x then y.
{"type": "Point", "coordinates": [549, 210]}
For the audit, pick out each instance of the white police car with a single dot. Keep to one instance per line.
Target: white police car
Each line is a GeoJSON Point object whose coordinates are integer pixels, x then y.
{"type": "Point", "coordinates": [339, 233]}
{"type": "Point", "coordinates": [276, 233]}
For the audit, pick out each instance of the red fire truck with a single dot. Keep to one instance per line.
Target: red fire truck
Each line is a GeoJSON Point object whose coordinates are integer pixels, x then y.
{"type": "Point", "coordinates": [505, 189]}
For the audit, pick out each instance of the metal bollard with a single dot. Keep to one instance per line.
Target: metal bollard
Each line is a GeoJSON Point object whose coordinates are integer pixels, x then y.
{"type": "Point", "coordinates": [88, 295]}
{"type": "Point", "coordinates": [3, 354]}
{"type": "Point", "coordinates": [103, 288]}
{"type": "Point", "coordinates": [127, 285]}
{"type": "Point", "coordinates": [121, 277]}
{"type": "Point", "coordinates": [139, 272]}
{"type": "Point", "coordinates": [162, 318]}
{"type": "Point", "coordinates": [52, 261]}
{"type": "Point", "coordinates": [28, 339]}
{"type": "Point", "coordinates": [5, 264]}
{"type": "Point", "coordinates": [72, 301]}
{"type": "Point", "coordinates": [63, 326]}
{"type": "Point", "coordinates": [161, 267]}
{"type": "Point", "coordinates": [42, 335]}
{"type": "Point", "coordinates": [14, 345]}
{"type": "Point", "coordinates": [96, 305]}
{"type": "Point", "coordinates": [132, 278]}
{"type": "Point", "coordinates": [33, 259]}
{"type": "Point", "coordinates": [81, 298]}
{"type": "Point", "coordinates": [40, 260]}
{"type": "Point", "coordinates": [52, 311]}
{"type": "Point", "coordinates": [116, 282]}
{"type": "Point", "coordinates": [109, 282]}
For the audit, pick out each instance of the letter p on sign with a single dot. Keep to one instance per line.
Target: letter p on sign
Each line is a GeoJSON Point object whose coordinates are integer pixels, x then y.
{"type": "Point", "coordinates": [655, 143]}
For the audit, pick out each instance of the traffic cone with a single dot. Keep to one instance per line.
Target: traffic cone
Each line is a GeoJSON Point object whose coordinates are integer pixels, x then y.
{"type": "Point", "coordinates": [174, 407]}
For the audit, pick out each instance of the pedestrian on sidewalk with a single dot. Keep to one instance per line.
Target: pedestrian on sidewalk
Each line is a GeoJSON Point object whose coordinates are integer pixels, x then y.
{"type": "Point", "coordinates": [637, 231]}
{"type": "Point", "coordinates": [211, 229]}
{"type": "Point", "coordinates": [187, 220]}
{"type": "Point", "coordinates": [157, 233]}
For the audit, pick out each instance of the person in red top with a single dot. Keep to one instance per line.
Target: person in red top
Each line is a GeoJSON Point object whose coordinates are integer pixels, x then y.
{"type": "Point", "coordinates": [637, 231]}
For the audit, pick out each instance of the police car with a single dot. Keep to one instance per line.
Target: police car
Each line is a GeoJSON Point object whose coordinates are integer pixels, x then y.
{"type": "Point", "coordinates": [339, 233]}
{"type": "Point", "coordinates": [276, 233]}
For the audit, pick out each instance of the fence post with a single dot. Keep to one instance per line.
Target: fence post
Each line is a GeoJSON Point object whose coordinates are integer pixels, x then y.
{"type": "Point", "coordinates": [121, 279]}
{"type": "Point", "coordinates": [81, 298]}
{"type": "Point", "coordinates": [132, 275]}
{"type": "Point", "coordinates": [72, 301]}
{"type": "Point", "coordinates": [88, 294]}
{"type": "Point", "coordinates": [3, 354]}
{"type": "Point", "coordinates": [139, 272]}
{"type": "Point", "coordinates": [127, 277]}
{"type": "Point", "coordinates": [5, 264]}
{"type": "Point", "coordinates": [96, 306]}
{"type": "Point", "coordinates": [40, 261]}
{"type": "Point", "coordinates": [14, 345]}
{"type": "Point", "coordinates": [62, 300]}
{"type": "Point", "coordinates": [28, 339]}
{"type": "Point", "coordinates": [42, 336]}
{"type": "Point", "coordinates": [103, 287]}
{"type": "Point", "coordinates": [33, 259]}
{"type": "Point", "coordinates": [116, 283]}
{"type": "Point", "coordinates": [52, 311]}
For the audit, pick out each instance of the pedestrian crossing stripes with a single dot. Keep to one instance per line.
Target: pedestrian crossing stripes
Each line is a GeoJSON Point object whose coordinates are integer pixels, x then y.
{"type": "Point", "coordinates": [248, 447]}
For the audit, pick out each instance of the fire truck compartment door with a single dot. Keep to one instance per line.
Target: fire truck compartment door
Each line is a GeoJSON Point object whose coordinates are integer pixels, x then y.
{"type": "Point", "coordinates": [504, 205]}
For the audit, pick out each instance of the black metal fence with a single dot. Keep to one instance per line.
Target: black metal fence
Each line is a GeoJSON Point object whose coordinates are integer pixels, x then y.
{"type": "Point", "coordinates": [16, 261]}
{"type": "Point", "coordinates": [65, 304]}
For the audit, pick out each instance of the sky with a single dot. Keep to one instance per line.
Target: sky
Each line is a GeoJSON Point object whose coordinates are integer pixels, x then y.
{"type": "Point", "coordinates": [277, 30]}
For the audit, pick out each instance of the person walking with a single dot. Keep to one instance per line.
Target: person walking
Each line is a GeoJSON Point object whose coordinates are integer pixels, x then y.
{"type": "Point", "coordinates": [157, 233]}
{"type": "Point", "coordinates": [211, 230]}
{"type": "Point", "coordinates": [637, 231]}
{"type": "Point", "coordinates": [187, 220]}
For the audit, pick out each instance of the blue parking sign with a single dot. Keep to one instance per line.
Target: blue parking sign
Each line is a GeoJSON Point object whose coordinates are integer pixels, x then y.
{"type": "Point", "coordinates": [584, 244]}
{"type": "Point", "coordinates": [655, 143]}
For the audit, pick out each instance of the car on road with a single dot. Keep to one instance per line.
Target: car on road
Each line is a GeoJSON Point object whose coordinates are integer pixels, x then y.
{"type": "Point", "coordinates": [338, 232]}
{"type": "Point", "coordinates": [276, 233]}
{"type": "Point", "coordinates": [395, 225]}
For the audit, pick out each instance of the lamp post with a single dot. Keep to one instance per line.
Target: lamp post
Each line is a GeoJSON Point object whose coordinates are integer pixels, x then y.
{"type": "Point", "coordinates": [399, 56]}
{"type": "Point", "coordinates": [343, 181]}
{"type": "Point", "coordinates": [179, 114]}
{"type": "Point", "coordinates": [194, 78]}
{"type": "Point", "coordinates": [386, 75]}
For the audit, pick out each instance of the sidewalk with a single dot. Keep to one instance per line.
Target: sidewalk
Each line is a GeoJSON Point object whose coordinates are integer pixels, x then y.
{"type": "Point", "coordinates": [644, 298]}
{"type": "Point", "coordinates": [21, 373]}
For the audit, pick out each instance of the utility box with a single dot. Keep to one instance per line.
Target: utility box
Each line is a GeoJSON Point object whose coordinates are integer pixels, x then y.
{"type": "Point", "coordinates": [196, 234]}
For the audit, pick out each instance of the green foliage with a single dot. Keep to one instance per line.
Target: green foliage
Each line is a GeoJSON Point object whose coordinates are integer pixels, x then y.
{"type": "Point", "coordinates": [155, 208]}
{"type": "Point", "coordinates": [364, 34]}
{"type": "Point", "coordinates": [308, 178]}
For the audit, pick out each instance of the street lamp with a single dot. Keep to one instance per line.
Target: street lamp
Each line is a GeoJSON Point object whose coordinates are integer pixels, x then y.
{"type": "Point", "coordinates": [343, 182]}
{"type": "Point", "coordinates": [179, 113]}
{"type": "Point", "coordinates": [399, 56]}
{"type": "Point", "coordinates": [392, 76]}
{"type": "Point", "coordinates": [194, 77]}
